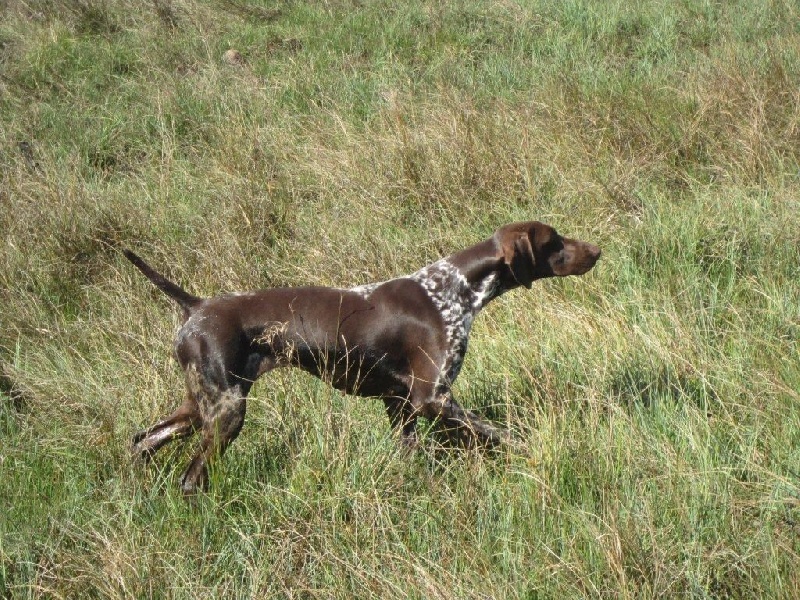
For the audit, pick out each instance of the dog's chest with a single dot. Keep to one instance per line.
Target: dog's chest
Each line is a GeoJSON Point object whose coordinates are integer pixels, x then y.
{"type": "Point", "coordinates": [457, 302]}
{"type": "Point", "coordinates": [455, 299]}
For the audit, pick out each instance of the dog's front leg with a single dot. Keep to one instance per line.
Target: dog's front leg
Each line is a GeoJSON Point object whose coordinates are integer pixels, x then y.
{"type": "Point", "coordinates": [403, 419]}
{"type": "Point", "coordinates": [462, 426]}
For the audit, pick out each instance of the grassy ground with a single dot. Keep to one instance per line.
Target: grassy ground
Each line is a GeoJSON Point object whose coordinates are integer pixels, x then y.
{"type": "Point", "coordinates": [656, 400]}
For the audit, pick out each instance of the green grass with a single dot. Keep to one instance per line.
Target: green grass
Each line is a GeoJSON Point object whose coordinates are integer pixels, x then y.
{"type": "Point", "coordinates": [655, 401]}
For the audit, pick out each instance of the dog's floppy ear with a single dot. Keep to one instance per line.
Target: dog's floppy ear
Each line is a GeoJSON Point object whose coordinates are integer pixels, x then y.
{"type": "Point", "coordinates": [518, 255]}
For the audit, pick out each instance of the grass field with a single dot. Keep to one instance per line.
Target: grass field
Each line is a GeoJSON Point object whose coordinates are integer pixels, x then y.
{"type": "Point", "coordinates": [655, 402]}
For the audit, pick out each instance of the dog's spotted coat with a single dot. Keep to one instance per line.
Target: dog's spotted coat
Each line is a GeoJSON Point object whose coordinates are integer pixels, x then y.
{"type": "Point", "coordinates": [456, 301]}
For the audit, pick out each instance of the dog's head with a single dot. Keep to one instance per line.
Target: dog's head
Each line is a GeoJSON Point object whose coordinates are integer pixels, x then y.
{"type": "Point", "coordinates": [533, 250]}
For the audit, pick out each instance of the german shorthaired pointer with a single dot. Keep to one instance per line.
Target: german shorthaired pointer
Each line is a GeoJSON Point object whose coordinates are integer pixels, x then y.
{"type": "Point", "coordinates": [402, 340]}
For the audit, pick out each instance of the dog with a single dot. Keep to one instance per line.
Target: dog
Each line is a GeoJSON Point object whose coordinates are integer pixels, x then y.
{"type": "Point", "coordinates": [402, 340]}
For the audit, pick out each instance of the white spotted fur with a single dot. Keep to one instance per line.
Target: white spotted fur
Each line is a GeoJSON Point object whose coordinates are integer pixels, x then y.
{"type": "Point", "coordinates": [457, 302]}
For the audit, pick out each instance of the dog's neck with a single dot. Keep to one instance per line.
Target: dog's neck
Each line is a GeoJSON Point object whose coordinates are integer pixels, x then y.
{"type": "Point", "coordinates": [468, 279]}
{"type": "Point", "coordinates": [483, 268]}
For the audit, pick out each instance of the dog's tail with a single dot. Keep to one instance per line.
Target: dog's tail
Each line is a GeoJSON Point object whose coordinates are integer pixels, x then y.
{"type": "Point", "coordinates": [173, 290]}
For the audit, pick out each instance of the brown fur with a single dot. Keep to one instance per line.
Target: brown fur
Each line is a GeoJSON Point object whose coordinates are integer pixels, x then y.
{"type": "Point", "coordinates": [391, 342]}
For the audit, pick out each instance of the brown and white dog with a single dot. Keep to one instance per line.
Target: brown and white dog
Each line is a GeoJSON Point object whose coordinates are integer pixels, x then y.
{"type": "Point", "coordinates": [401, 340]}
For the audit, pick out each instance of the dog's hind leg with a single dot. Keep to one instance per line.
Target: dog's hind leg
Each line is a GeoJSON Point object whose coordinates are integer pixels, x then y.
{"type": "Point", "coordinates": [221, 404]}
{"type": "Point", "coordinates": [180, 424]}
{"type": "Point", "coordinates": [222, 423]}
